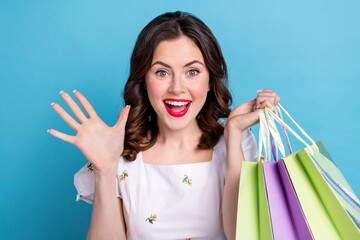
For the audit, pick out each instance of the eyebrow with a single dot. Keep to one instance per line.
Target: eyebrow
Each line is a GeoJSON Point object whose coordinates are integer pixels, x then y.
{"type": "Point", "coordinates": [188, 64]}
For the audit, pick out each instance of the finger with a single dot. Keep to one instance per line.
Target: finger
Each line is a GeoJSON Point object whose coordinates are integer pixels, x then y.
{"type": "Point", "coordinates": [244, 121]}
{"type": "Point", "coordinates": [85, 103]}
{"type": "Point", "coordinates": [62, 136]}
{"type": "Point", "coordinates": [122, 119]}
{"type": "Point", "coordinates": [267, 94]}
{"type": "Point", "coordinates": [264, 94]}
{"type": "Point", "coordinates": [267, 91]}
{"type": "Point", "coordinates": [261, 99]}
{"type": "Point", "coordinates": [270, 97]}
{"type": "Point", "coordinates": [268, 104]}
{"type": "Point", "coordinates": [74, 107]}
{"type": "Point", "coordinates": [270, 93]}
{"type": "Point", "coordinates": [277, 99]}
{"type": "Point", "coordinates": [67, 118]}
{"type": "Point", "coordinates": [257, 104]}
{"type": "Point", "coordinates": [243, 108]}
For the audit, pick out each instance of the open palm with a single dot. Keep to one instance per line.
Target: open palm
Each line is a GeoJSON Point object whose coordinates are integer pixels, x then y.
{"type": "Point", "coordinates": [101, 145]}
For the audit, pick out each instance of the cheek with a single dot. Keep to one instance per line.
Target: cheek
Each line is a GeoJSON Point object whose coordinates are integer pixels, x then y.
{"type": "Point", "coordinates": [155, 89]}
{"type": "Point", "coordinates": [200, 88]}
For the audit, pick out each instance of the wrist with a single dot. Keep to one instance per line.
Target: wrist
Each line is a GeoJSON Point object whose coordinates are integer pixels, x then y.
{"type": "Point", "coordinates": [232, 133]}
{"type": "Point", "coordinates": [110, 170]}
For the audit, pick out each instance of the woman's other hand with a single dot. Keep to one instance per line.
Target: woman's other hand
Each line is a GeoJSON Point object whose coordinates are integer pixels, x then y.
{"type": "Point", "coordinates": [247, 114]}
{"type": "Point", "coordinates": [102, 145]}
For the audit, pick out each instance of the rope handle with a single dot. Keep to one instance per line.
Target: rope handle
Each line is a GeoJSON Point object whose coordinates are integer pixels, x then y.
{"type": "Point", "coordinates": [267, 127]}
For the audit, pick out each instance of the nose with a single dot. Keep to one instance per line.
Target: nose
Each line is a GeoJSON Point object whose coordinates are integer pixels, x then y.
{"type": "Point", "coordinates": [176, 85]}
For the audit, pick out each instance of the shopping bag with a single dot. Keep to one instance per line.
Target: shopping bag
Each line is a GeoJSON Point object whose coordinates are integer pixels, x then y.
{"type": "Point", "coordinates": [253, 219]}
{"type": "Point", "coordinates": [330, 207]}
{"type": "Point", "coordinates": [339, 185]}
{"type": "Point", "coordinates": [267, 204]}
{"type": "Point", "coordinates": [318, 200]}
{"type": "Point", "coordinates": [287, 219]}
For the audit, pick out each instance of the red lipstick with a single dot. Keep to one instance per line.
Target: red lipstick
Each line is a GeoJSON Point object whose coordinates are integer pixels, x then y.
{"type": "Point", "coordinates": [177, 114]}
{"type": "Point", "coordinates": [178, 100]}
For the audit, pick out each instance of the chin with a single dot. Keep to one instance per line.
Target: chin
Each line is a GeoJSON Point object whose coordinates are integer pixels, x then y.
{"type": "Point", "coordinates": [178, 123]}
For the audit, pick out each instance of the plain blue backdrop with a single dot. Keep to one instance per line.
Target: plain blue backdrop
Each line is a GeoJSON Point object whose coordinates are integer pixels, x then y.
{"type": "Point", "coordinates": [308, 52]}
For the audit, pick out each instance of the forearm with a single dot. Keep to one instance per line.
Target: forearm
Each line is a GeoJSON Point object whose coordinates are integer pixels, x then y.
{"type": "Point", "coordinates": [235, 157]}
{"type": "Point", "coordinates": [106, 220]}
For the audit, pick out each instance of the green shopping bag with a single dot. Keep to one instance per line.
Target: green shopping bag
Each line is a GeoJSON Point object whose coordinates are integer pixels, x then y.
{"type": "Point", "coordinates": [253, 219]}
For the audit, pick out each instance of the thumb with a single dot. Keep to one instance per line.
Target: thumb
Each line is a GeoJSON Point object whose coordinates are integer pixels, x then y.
{"type": "Point", "coordinates": [252, 119]}
{"type": "Point", "coordinates": [123, 116]}
{"type": "Point", "coordinates": [247, 120]}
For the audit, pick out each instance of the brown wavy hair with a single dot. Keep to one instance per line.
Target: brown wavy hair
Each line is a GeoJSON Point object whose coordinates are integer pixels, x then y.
{"type": "Point", "coordinates": [142, 117]}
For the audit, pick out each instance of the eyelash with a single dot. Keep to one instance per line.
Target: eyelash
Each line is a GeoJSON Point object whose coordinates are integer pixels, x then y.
{"type": "Point", "coordinates": [188, 71]}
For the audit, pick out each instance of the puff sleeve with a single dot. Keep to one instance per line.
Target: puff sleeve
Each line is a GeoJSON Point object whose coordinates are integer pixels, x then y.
{"type": "Point", "coordinates": [249, 145]}
{"type": "Point", "coordinates": [84, 181]}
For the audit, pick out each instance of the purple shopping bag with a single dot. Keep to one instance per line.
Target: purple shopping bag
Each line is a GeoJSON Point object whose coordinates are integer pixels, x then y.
{"type": "Point", "coordinates": [287, 219]}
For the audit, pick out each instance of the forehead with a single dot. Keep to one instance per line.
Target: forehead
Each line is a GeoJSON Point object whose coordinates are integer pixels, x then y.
{"type": "Point", "coordinates": [180, 50]}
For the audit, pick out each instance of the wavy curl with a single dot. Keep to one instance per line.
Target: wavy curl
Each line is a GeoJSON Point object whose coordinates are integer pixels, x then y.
{"type": "Point", "coordinates": [142, 117]}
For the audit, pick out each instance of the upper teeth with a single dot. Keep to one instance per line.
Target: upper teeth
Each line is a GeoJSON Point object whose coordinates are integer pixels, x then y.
{"type": "Point", "coordinates": [176, 103]}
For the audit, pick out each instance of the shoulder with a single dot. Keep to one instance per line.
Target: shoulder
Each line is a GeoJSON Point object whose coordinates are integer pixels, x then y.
{"type": "Point", "coordinates": [123, 163]}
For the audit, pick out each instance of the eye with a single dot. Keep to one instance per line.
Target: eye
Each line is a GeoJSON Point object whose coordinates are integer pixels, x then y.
{"type": "Point", "coordinates": [161, 73]}
{"type": "Point", "coordinates": [193, 72]}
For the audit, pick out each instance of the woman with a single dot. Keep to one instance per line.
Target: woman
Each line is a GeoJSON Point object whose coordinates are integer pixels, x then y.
{"type": "Point", "coordinates": [170, 167]}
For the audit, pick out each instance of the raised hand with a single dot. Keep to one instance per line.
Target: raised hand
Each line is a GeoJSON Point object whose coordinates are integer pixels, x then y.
{"type": "Point", "coordinates": [247, 114]}
{"type": "Point", "coordinates": [101, 145]}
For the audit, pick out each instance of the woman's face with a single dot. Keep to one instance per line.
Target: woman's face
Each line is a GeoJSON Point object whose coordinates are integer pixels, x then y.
{"type": "Point", "coordinates": [178, 73]}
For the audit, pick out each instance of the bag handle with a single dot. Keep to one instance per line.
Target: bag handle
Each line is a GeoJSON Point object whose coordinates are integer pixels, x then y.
{"type": "Point", "coordinates": [263, 132]}
{"type": "Point", "coordinates": [273, 147]}
{"type": "Point", "coordinates": [278, 112]}
{"type": "Point", "coordinates": [268, 130]}
{"type": "Point", "coordinates": [301, 130]}
{"type": "Point", "coordinates": [267, 126]}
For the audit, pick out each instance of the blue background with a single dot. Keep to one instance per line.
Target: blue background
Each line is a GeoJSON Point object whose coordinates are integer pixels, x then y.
{"type": "Point", "coordinates": [307, 52]}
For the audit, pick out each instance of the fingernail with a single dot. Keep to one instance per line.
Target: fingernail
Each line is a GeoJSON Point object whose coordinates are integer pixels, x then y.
{"type": "Point", "coordinates": [128, 106]}
{"type": "Point", "coordinates": [259, 90]}
{"type": "Point", "coordinates": [74, 91]}
{"type": "Point", "coordinates": [257, 106]}
{"type": "Point", "coordinates": [52, 103]}
{"type": "Point", "coordinates": [61, 91]}
{"type": "Point", "coordinates": [48, 130]}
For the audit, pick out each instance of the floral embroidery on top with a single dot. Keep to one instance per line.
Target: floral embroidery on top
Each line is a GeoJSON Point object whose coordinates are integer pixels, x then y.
{"type": "Point", "coordinates": [187, 180]}
{"type": "Point", "coordinates": [152, 219]}
{"type": "Point", "coordinates": [123, 176]}
{"type": "Point", "coordinates": [90, 167]}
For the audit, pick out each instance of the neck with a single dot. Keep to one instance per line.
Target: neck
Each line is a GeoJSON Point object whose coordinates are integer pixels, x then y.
{"type": "Point", "coordinates": [186, 138]}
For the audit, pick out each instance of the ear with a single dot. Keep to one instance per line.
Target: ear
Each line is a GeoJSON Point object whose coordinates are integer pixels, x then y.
{"type": "Point", "coordinates": [209, 87]}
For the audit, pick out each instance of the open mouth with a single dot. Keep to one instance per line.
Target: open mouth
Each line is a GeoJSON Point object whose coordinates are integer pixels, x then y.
{"type": "Point", "coordinates": [177, 108]}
